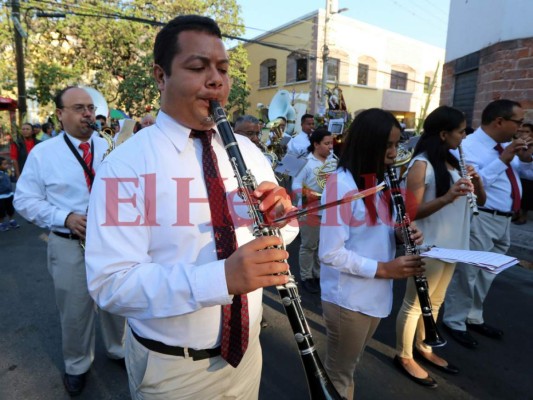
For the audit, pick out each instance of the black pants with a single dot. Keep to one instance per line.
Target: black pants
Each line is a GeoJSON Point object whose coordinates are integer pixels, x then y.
{"type": "Point", "coordinates": [6, 208]}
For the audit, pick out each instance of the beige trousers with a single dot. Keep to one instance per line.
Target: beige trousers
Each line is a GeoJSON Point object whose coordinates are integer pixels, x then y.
{"type": "Point", "coordinates": [77, 310]}
{"type": "Point", "coordinates": [348, 333]}
{"type": "Point", "coordinates": [308, 256]}
{"type": "Point", "coordinates": [409, 322]}
{"type": "Point", "coordinates": [156, 376]}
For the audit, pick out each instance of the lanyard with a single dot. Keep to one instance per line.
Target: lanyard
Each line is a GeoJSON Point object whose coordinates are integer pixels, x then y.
{"type": "Point", "coordinates": [88, 169]}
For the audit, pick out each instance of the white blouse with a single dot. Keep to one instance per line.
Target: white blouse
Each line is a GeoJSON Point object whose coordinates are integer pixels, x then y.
{"type": "Point", "coordinates": [350, 249]}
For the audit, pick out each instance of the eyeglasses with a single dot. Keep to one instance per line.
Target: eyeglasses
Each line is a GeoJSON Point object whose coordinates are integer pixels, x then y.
{"type": "Point", "coordinates": [81, 108]}
{"type": "Point", "coordinates": [519, 122]}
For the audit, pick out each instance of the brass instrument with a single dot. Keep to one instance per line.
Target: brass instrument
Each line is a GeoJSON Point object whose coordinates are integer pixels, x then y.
{"type": "Point", "coordinates": [275, 147]}
{"type": "Point", "coordinates": [326, 170]}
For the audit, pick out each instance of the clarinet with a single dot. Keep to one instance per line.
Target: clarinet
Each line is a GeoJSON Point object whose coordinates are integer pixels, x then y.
{"type": "Point", "coordinates": [320, 385]}
{"type": "Point", "coordinates": [472, 198]}
{"type": "Point", "coordinates": [433, 338]}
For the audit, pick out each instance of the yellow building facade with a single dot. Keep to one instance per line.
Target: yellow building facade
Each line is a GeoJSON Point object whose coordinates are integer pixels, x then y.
{"type": "Point", "coordinates": [372, 66]}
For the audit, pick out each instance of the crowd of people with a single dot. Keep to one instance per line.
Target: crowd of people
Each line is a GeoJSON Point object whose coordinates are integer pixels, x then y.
{"type": "Point", "coordinates": [155, 241]}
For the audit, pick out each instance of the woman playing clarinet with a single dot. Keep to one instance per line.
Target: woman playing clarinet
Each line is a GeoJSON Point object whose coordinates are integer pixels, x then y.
{"type": "Point", "coordinates": [357, 246]}
{"type": "Point", "coordinates": [437, 200]}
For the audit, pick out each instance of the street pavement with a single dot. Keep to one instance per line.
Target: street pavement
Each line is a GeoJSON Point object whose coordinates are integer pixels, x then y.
{"type": "Point", "coordinates": [30, 352]}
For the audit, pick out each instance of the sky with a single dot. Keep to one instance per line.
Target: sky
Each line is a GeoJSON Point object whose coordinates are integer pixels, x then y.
{"type": "Point", "coordinates": [424, 20]}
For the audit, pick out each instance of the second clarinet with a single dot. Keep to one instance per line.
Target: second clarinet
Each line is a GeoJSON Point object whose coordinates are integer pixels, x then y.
{"type": "Point", "coordinates": [472, 198]}
{"type": "Point", "coordinates": [320, 386]}
{"type": "Point", "coordinates": [433, 338]}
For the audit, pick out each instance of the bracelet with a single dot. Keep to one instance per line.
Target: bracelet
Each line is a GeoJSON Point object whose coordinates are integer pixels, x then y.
{"type": "Point", "coordinates": [68, 215]}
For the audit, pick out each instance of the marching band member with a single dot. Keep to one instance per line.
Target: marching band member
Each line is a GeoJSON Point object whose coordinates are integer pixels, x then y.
{"type": "Point", "coordinates": [55, 195]}
{"type": "Point", "coordinates": [499, 167]}
{"type": "Point", "coordinates": [299, 144]}
{"type": "Point", "coordinates": [437, 192]}
{"type": "Point", "coordinates": [188, 277]}
{"type": "Point", "coordinates": [357, 247]}
{"type": "Point", "coordinates": [307, 188]}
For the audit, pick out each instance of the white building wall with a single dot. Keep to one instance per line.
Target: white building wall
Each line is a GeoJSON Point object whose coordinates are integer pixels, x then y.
{"type": "Point", "coordinates": [357, 39]}
{"type": "Point", "coordinates": [476, 24]}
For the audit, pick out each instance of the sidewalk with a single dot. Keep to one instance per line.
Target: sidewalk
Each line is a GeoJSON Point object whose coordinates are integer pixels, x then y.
{"type": "Point", "coordinates": [522, 242]}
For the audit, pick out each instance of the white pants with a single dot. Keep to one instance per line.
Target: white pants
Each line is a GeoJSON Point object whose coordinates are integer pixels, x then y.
{"type": "Point", "coordinates": [156, 376]}
{"type": "Point", "coordinates": [77, 310]}
{"type": "Point", "coordinates": [470, 285]}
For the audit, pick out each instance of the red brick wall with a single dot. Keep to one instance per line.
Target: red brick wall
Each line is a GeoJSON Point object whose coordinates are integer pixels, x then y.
{"type": "Point", "coordinates": [505, 72]}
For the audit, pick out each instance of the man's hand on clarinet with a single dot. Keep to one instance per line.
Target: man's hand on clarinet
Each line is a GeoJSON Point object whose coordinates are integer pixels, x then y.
{"type": "Point", "coordinates": [255, 265]}
{"type": "Point", "coordinates": [275, 202]}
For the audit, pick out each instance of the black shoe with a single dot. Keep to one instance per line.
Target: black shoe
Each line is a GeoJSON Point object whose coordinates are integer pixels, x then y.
{"type": "Point", "coordinates": [462, 337]}
{"type": "Point", "coordinates": [428, 381]}
{"type": "Point", "coordinates": [485, 330]}
{"type": "Point", "coordinates": [309, 287]}
{"type": "Point", "coordinates": [450, 368]}
{"type": "Point", "coordinates": [74, 383]}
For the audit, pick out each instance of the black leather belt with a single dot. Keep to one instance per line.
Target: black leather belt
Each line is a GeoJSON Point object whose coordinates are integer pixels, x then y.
{"type": "Point", "coordinates": [162, 348]}
{"type": "Point", "coordinates": [496, 212]}
{"type": "Point", "coordinates": [66, 235]}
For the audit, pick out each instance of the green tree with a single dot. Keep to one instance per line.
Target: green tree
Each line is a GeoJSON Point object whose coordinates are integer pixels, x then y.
{"type": "Point", "coordinates": [96, 45]}
{"type": "Point", "coordinates": [240, 90]}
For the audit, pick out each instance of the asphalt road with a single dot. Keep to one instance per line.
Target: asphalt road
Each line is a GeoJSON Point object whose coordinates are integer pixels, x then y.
{"type": "Point", "coordinates": [31, 364]}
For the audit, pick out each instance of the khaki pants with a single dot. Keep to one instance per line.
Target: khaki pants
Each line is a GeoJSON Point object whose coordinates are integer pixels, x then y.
{"type": "Point", "coordinates": [308, 257]}
{"type": "Point", "coordinates": [348, 334]}
{"type": "Point", "coordinates": [156, 376]}
{"type": "Point", "coordinates": [77, 310]}
{"type": "Point", "coordinates": [470, 285]}
{"type": "Point", "coordinates": [409, 321]}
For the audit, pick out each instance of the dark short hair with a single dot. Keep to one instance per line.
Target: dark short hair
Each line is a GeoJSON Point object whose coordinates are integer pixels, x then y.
{"type": "Point", "coordinates": [317, 136]}
{"type": "Point", "coordinates": [46, 126]}
{"type": "Point", "coordinates": [2, 159]}
{"type": "Point", "coordinates": [100, 116]}
{"type": "Point", "coordinates": [502, 108]}
{"type": "Point", "coordinates": [166, 42]}
{"type": "Point", "coordinates": [305, 116]}
{"type": "Point", "coordinates": [58, 99]}
{"type": "Point", "coordinates": [246, 118]}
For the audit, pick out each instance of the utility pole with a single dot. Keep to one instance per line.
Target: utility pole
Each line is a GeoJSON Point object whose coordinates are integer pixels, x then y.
{"type": "Point", "coordinates": [325, 56]}
{"type": "Point", "coordinates": [19, 59]}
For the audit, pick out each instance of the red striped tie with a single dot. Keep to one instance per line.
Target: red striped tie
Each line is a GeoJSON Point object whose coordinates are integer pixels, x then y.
{"type": "Point", "coordinates": [515, 191]}
{"type": "Point", "coordinates": [87, 157]}
{"type": "Point", "coordinates": [235, 319]}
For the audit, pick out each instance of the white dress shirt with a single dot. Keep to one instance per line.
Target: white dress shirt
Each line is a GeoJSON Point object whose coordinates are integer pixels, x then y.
{"type": "Point", "coordinates": [350, 250]}
{"type": "Point", "coordinates": [478, 149]}
{"type": "Point", "coordinates": [299, 144]}
{"type": "Point", "coordinates": [150, 248]}
{"type": "Point", "coordinates": [53, 183]}
{"type": "Point", "coordinates": [307, 177]}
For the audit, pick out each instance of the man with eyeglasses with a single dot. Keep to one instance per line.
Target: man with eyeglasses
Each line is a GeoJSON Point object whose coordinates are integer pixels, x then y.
{"type": "Point", "coordinates": [248, 125]}
{"type": "Point", "coordinates": [53, 192]}
{"type": "Point", "coordinates": [498, 160]}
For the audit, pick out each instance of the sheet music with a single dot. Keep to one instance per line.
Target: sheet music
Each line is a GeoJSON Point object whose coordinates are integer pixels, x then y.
{"type": "Point", "coordinates": [291, 165]}
{"type": "Point", "coordinates": [491, 262]}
